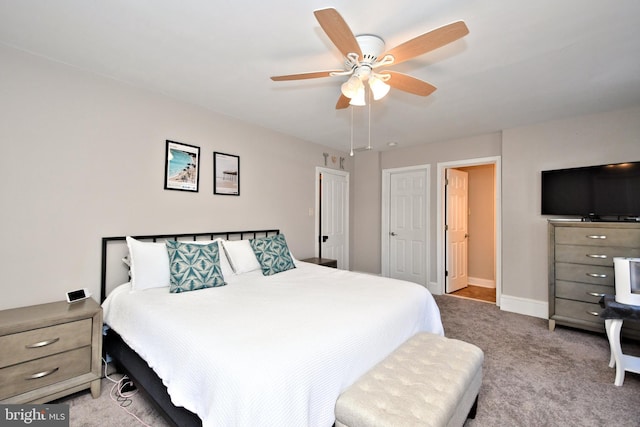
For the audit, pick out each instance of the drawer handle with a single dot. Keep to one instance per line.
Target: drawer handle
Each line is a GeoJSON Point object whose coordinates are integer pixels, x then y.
{"type": "Point", "coordinates": [597, 256]}
{"type": "Point", "coordinates": [43, 343]}
{"type": "Point", "coordinates": [41, 374]}
{"type": "Point", "coordinates": [596, 236]}
{"type": "Point", "coordinates": [593, 313]}
{"type": "Point", "coordinates": [595, 294]}
{"type": "Point", "coordinates": [599, 276]}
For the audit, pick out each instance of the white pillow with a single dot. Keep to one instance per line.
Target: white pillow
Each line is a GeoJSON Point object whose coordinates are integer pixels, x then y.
{"type": "Point", "coordinates": [149, 264]}
{"type": "Point", "coordinates": [241, 256]}
{"type": "Point", "coordinates": [224, 261]}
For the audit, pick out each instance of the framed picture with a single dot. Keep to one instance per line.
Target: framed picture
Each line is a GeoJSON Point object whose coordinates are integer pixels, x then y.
{"type": "Point", "coordinates": [226, 174]}
{"type": "Point", "coordinates": [181, 167]}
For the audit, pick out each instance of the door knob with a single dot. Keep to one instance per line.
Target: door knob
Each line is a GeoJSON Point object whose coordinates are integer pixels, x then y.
{"type": "Point", "coordinates": [324, 238]}
{"type": "Point", "coordinates": [392, 234]}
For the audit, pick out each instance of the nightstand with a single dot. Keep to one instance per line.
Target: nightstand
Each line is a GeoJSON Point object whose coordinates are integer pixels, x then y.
{"type": "Point", "coordinates": [49, 351]}
{"type": "Point", "coordinates": [326, 262]}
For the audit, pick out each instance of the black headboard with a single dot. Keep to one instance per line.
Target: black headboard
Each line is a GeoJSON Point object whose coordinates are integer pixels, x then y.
{"type": "Point", "coordinates": [109, 242]}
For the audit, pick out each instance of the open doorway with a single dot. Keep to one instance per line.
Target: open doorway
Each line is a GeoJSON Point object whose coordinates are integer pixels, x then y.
{"type": "Point", "coordinates": [468, 229]}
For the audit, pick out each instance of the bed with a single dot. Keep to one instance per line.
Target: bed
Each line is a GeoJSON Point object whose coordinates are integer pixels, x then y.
{"type": "Point", "coordinates": [263, 348]}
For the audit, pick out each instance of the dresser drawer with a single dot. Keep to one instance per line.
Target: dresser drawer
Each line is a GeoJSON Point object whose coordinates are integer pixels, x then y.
{"type": "Point", "coordinates": [593, 274]}
{"type": "Point", "coordinates": [39, 373]}
{"type": "Point", "coordinates": [588, 312]}
{"type": "Point", "coordinates": [598, 236]}
{"type": "Point", "coordinates": [582, 291]}
{"type": "Point", "coordinates": [592, 255]}
{"type": "Point", "coordinates": [36, 343]}
{"type": "Point", "coordinates": [585, 311]}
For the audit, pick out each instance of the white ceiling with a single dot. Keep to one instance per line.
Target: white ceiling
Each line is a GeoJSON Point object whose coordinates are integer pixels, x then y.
{"type": "Point", "coordinates": [522, 62]}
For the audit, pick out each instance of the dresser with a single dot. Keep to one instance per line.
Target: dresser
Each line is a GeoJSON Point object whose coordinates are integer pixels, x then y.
{"type": "Point", "coordinates": [49, 351]}
{"type": "Point", "coordinates": [581, 270]}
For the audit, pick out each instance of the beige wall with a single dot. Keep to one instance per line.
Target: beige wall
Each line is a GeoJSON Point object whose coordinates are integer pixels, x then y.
{"type": "Point", "coordinates": [83, 157]}
{"type": "Point", "coordinates": [482, 221]}
{"type": "Point", "coordinates": [432, 154]}
{"type": "Point", "coordinates": [525, 151]}
{"type": "Point", "coordinates": [588, 140]}
{"type": "Point", "coordinates": [367, 188]}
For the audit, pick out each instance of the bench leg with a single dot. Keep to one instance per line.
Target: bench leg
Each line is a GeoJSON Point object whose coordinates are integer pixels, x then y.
{"type": "Point", "coordinates": [473, 410]}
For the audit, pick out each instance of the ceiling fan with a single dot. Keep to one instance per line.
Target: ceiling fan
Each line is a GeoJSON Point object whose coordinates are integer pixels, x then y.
{"type": "Point", "coordinates": [366, 53]}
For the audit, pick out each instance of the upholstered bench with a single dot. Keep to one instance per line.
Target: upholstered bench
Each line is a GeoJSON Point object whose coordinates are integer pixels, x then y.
{"type": "Point", "coordinates": [428, 381]}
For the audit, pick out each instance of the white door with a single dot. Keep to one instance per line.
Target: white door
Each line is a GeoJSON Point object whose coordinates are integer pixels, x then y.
{"type": "Point", "coordinates": [456, 229]}
{"type": "Point", "coordinates": [408, 225]}
{"type": "Point", "coordinates": [333, 211]}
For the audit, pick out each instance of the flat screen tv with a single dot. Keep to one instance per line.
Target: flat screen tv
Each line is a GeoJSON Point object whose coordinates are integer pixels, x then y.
{"type": "Point", "coordinates": [604, 191]}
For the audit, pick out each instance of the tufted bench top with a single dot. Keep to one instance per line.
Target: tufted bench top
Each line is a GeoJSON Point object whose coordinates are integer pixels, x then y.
{"type": "Point", "coordinates": [425, 382]}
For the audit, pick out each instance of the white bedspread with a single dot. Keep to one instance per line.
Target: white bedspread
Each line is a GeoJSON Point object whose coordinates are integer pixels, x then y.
{"type": "Point", "coordinates": [270, 351]}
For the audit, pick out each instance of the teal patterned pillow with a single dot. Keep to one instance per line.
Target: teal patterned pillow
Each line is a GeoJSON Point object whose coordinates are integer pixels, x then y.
{"type": "Point", "coordinates": [273, 254]}
{"type": "Point", "coordinates": [193, 266]}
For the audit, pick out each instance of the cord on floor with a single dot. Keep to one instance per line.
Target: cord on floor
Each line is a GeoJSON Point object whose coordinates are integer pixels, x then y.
{"type": "Point", "coordinates": [122, 391]}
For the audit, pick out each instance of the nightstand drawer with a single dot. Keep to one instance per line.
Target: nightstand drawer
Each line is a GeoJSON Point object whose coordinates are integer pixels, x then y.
{"type": "Point", "coordinates": [45, 371]}
{"type": "Point", "coordinates": [50, 350]}
{"type": "Point", "coordinates": [36, 343]}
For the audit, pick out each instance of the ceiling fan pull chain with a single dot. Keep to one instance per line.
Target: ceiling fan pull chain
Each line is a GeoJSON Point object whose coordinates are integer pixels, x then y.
{"type": "Point", "coordinates": [351, 153]}
{"type": "Point", "coordinates": [369, 105]}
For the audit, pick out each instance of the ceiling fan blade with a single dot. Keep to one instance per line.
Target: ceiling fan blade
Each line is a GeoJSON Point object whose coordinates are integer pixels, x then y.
{"type": "Point", "coordinates": [409, 84]}
{"type": "Point", "coordinates": [343, 102]}
{"type": "Point", "coordinates": [428, 42]}
{"type": "Point", "coordinates": [338, 31]}
{"type": "Point", "coordinates": [302, 76]}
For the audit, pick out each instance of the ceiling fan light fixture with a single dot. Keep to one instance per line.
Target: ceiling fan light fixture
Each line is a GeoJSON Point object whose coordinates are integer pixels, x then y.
{"type": "Point", "coordinates": [358, 99]}
{"type": "Point", "coordinates": [351, 87]}
{"type": "Point", "coordinates": [367, 52]}
{"type": "Point", "coordinates": [379, 88]}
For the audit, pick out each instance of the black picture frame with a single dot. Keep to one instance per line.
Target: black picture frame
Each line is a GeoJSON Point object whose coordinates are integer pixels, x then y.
{"type": "Point", "coordinates": [226, 174]}
{"type": "Point", "coordinates": [181, 167]}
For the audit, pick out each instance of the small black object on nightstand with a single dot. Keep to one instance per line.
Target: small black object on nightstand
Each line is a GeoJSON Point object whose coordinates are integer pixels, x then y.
{"type": "Point", "coordinates": [326, 262]}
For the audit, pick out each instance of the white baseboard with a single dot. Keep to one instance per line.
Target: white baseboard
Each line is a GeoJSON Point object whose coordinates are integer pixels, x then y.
{"type": "Point", "coordinates": [524, 306]}
{"type": "Point", "coordinates": [434, 288]}
{"type": "Point", "coordinates": [485, 283]}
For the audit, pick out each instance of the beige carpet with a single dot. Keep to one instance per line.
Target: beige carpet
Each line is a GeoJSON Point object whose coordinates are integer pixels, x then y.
{"type": "Point", "coordinates": [84, 411]}
{"type": "Point", "coordinates": [532, 377]}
